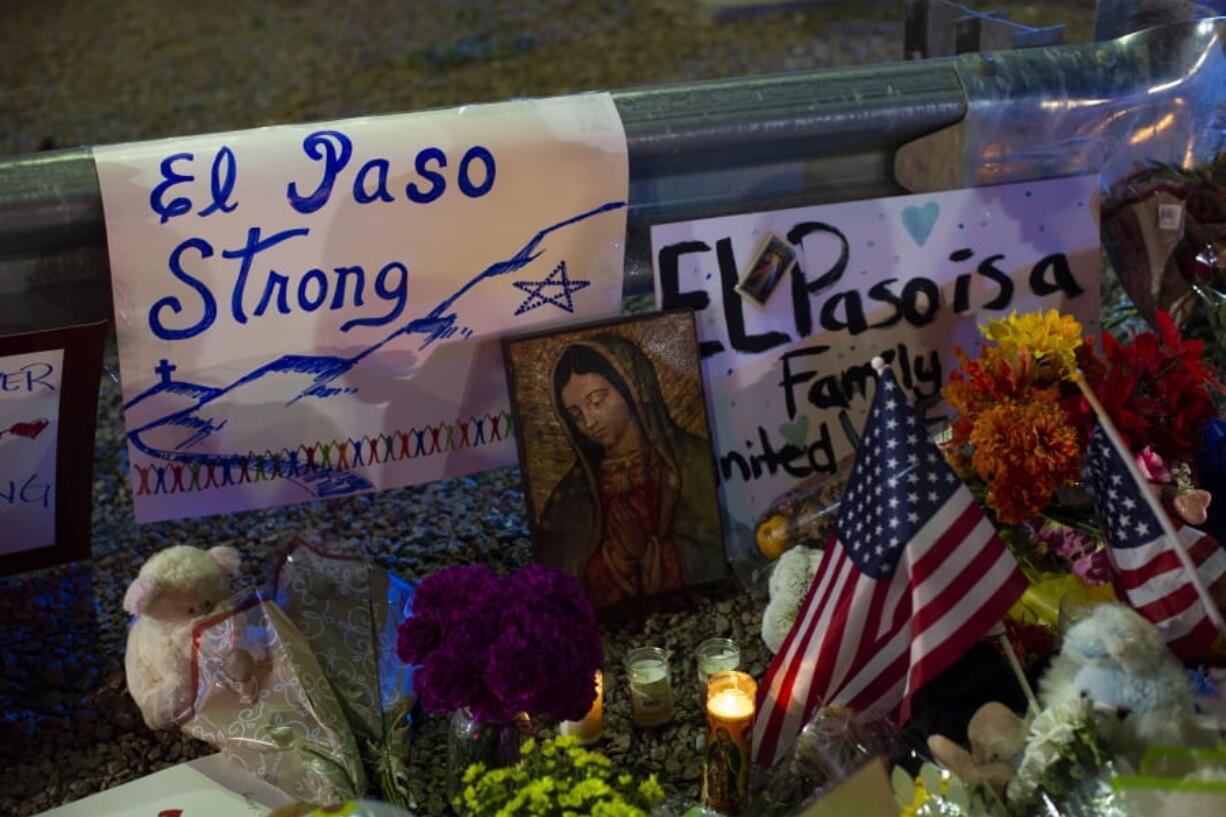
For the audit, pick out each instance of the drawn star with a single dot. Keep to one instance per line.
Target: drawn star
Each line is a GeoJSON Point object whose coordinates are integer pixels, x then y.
{"type": "Point", "coordinates": [558, 278]}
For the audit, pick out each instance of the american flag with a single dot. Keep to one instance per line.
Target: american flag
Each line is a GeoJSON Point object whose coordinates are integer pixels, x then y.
{"type": "Point", "coordinates": [915, 576]}
{"type": "Point", "coordinates": [1145, 564]}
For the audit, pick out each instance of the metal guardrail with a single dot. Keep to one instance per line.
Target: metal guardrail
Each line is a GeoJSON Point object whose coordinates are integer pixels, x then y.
{"type": "Point", "coordinates": [695, 149]}
{"type": "Point", "coordinates": [741, 145]}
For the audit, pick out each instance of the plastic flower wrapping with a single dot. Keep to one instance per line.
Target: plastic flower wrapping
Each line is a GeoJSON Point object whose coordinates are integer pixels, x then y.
{"type": "Point", "coordinates": [304, 689]}
{"type": "Point", "coordinates": [348, 609]}
{"type": "Point", "coordinates": [834, 744]}
{"type": "Point", "coordinates": [264, 701]}
{"type": "Point", "coordinates": [1157, 225]}
{"type": "Point", "coordinates": [349, 808]}
{"type": "Point", "coordinates": [555, 778]}
{"type": "Point", "coordinates": [502, 645]}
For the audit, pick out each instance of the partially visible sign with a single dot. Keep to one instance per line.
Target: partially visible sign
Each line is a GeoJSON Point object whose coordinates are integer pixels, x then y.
{"type": "Point", "coordinates": [30, 388]}
{"type": "Point", "coordinates": [210, 786]}
{"type": "Point", "coordinates": [866, 793]}
{"type": "Point", "coordinates": [48, 396]}
{"type": "Point", "coordinates": [313, 310]}
{"type": "Point", "coordinates": [908, 278]}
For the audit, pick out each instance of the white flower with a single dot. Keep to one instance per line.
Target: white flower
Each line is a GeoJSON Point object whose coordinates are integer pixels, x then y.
{"type": "Point", "coordinates": [1052, 730]}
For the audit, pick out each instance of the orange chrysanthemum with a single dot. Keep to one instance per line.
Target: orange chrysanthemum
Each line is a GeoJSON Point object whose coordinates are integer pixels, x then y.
{"type": "Point", "coordinates": [986, 382]}
{"type": "Point", "coordinates": [1024, 451]}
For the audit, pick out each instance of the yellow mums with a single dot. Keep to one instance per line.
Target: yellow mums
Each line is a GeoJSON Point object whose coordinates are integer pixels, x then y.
{"type": "Point", "coordinates": [1051, 338]}
{"type": "Point", "coordinates": [556, 778]}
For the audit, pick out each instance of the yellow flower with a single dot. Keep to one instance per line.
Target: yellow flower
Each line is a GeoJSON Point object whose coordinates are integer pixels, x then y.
{"type": "Point", "coordinates": [651, 790]}
{"type": "Point", "coordinates": [917, 802]}
{"type": "Point", "coordinates": [1051, 338]}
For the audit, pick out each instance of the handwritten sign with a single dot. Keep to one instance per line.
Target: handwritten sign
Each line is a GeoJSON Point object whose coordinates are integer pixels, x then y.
{"type": "Point", "coordinates": [30, 388]}
{"type": "Point", "coordinates": [312, 311]}
{"type": "Point", "coordinates": [907, 278]}
{"type": "Point", "coordinates": [48, 401]}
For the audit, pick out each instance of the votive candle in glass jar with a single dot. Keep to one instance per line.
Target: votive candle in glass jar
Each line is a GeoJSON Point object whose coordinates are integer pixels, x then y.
{"type": "Point", "coordinates": [651, 690]}
{"type": "Point", "coordinates": [715, 655]}
{"type": "Point", "coordinates": [591, 727]}
{"type": "Point", "coordinates": [726, 756]}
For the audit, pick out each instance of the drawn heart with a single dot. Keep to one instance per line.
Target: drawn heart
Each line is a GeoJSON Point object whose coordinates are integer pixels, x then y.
{"type": "Point", "coordinates": [919, 221]}
{"type": "Point", "coordinates": [1193, 506]}
{"type": "Point", "coordinates": [31, 429]}
{"type": "Point", "coordinates": [797, 431]}
{"type": "Point", "coordinates": [171, 812]}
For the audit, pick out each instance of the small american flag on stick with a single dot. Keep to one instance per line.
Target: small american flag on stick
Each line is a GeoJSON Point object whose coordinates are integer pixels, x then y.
{"type": "Point", "coordinates": [916, 576]}
{"type": "Point", "coordinates": [1144, 559]}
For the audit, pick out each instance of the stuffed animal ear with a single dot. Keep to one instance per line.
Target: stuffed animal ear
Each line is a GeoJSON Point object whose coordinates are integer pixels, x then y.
{"type": "Point", "coordinates": [139, 596]}
{"type": "Point", "coordinates": [951, 755]}
{"type": "Point", "coordinates": [1129, 639]}
{"type": "Point", "coordinates": [227, 557]}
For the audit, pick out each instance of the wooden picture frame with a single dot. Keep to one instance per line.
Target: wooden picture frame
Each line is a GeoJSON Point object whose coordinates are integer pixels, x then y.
{"type": "Point", "coordinates": [616, 456]}
{"type": "Point", "coordinates": [77, 351]}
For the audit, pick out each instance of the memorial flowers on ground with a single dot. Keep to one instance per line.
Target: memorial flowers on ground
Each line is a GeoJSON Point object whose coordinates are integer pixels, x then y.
{"type": "Point", "coordinates": [1022, 425]}
{"type": "Point", "coordinates": [503, 645]}
{"type": "Point", "coordinates": [1012, 437]}
{"type": "Point", "coordinates": [556, 778]}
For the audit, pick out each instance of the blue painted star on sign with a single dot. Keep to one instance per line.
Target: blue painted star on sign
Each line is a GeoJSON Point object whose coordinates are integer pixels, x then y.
{"type": "Point", "coordinates": [557, 279]}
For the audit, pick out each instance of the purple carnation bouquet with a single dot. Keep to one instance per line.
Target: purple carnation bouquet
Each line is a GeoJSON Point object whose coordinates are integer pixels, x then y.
{"type": "Point", "coordinates": [502, 645]}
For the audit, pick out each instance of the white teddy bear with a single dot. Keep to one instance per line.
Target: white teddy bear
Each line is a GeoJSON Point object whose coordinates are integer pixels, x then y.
{"type": "Point", "coordinates": [175, 589]}
{"type": "Point", "coordinates": [789, 582]}
{"type": "Point", "coordinates": [1118, 661]}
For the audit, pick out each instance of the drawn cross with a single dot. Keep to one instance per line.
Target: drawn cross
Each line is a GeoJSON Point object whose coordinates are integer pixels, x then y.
{"type": "Point", "coordinates": [164, 369]}
{"type": "Point", "coordinates": [557, 279]}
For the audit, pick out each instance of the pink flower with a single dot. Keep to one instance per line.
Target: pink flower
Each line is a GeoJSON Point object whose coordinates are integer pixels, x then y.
{"type": "Point", "coordinates": [1152, 466]}
{"type": "Point", "coordinates": [1064, 541]}
{"type": "Point", "coordinates": [1094, 567]}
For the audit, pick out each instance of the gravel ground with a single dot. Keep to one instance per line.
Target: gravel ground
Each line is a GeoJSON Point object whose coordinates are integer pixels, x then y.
{"type": "Point", "coordinates": [68, 727]}
{"type": "Point", "coordinates": [99, 72]}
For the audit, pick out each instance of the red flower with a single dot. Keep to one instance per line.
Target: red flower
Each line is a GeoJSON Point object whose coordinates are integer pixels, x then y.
{"type": "Point", "coordinates": [1154, 387]}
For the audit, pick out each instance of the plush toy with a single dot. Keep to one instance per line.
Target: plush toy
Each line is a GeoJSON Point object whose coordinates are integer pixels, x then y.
{"type": "Point", "coordinates": [176, 588]}
{"type": "Point", "coordinates": [1117, 660]}
{"type": "Point", "coordinates": [997, 737]}
{"type": "Point", "coordinates": [789, 582]}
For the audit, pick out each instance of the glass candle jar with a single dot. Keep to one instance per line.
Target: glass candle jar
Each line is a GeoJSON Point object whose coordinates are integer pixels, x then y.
{"type": "Point", "coordinates": [651, 690]}
{"type": "Point", "coordinates": [726, 757]}
{"type": "Point", "coordinates": [591, 727]}
{"type": "Point", "coordinates": [715, 655]}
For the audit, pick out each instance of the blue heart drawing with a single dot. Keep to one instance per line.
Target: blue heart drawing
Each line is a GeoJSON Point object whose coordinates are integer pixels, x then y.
{"type": "Point", "coordinates": [919, 221]}
{"type": "Point", "coordinates": [796, 432]}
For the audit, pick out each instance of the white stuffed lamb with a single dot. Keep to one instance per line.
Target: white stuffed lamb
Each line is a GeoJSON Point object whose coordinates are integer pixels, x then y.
{"type": "Point", "coordinates": [175, 589]}
{"type": "Point", "coordinates": [1117, 660]}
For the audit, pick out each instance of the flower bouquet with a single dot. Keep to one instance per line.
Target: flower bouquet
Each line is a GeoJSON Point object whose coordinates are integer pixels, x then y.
{"type": "Point", "coordinates": [262, 699]}
{"type": "Point", "coordinates": [497, 651]}
{"type": "Point", "coordinates": [1023, 427]}
{"type": "Point", "coordinates": [1155, 225]}
{"type": "Point", "coordinates": [349, 609]}
{"type": "Point", "coordinates": [556, 778]}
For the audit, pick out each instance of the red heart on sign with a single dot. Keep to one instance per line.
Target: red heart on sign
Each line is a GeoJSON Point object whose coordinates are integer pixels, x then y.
{"type": "Point", "coordinates": [31, 429]}
{"type": "Point", "coordinates": [171, 812]}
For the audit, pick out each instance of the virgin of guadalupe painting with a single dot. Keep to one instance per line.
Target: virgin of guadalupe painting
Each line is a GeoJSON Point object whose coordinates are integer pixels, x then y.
{"type": "Point", "coordinates": [616, 456]}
